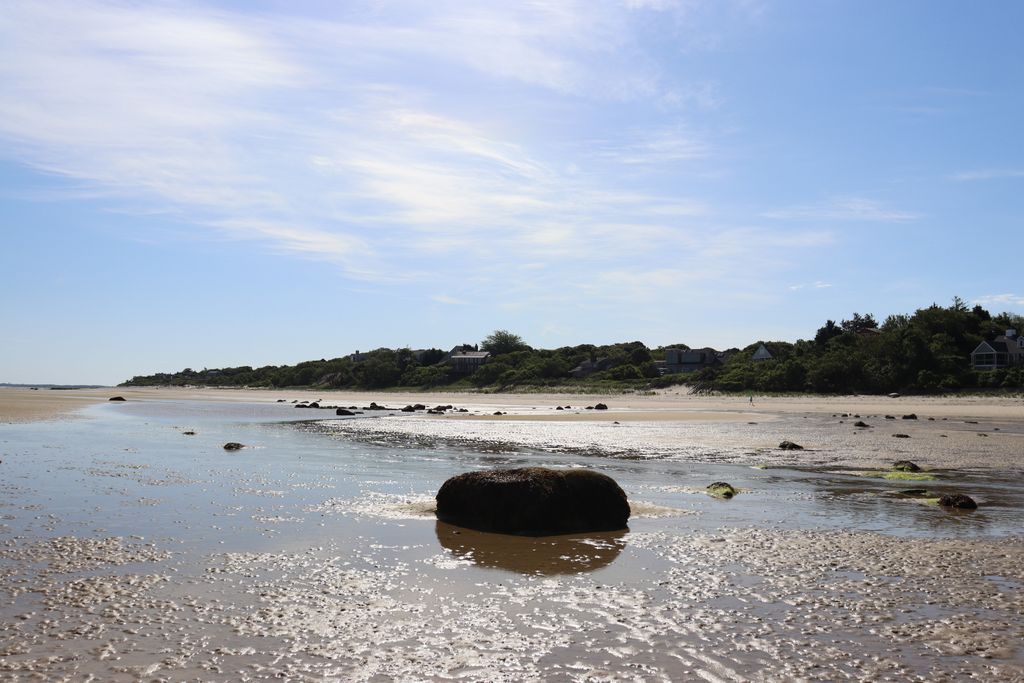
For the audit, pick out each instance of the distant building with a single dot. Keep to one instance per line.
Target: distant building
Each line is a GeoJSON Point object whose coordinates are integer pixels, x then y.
{"type": "Point", "coordinates": [467, 362]}
{"type": "Point", "coordinates": [1005, 351]}
{"type": "Point", "coordinates": [689, 360]}
{"type": "Point", "coordinates": [762, 353]}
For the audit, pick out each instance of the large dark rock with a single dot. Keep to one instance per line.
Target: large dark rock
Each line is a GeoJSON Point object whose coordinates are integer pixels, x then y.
{"type": "Point", "coordinates": [533, 501]}
{"type": "Point", "coordinates": [233, 446]}
{"type": "Point", "coordinates": [116, 398]}
{"type": "Point", "coordinates": [343, 411]}
{"type": "Point", "coordinates": [790, 446]}
{"type": "Point", "coordinates": [958, 500]}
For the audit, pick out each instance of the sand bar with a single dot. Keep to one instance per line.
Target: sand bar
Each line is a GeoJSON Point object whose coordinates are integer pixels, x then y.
{"type": "Point", "coordinates": [19, 405]}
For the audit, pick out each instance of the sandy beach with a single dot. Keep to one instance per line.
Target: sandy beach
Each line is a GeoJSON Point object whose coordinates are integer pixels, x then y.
{"type": "Point", "coordinates": [134, 547]}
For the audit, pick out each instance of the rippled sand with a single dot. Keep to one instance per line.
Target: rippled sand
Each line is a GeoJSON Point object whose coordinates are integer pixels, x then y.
{"type": "Point", "coordinates": [133, 547]}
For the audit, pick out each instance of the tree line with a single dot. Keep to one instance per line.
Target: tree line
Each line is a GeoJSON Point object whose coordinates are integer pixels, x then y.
{"type": "Point", "coordinates": [926, 352]}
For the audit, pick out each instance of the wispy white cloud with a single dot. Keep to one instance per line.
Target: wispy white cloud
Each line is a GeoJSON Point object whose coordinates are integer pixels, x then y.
{"type": "Point", "coordinates": [1000, 300]}
{"type": "Point", "coordinates": [313, 139]}
{"type": "Point", "coordinates": [988, 174]}
{"type": "Point", "coordinates": [813, 285]}
{"type": "Point", "coordinates": [449, 300]}
{"type": "Point", "coordinates": [843, 209]}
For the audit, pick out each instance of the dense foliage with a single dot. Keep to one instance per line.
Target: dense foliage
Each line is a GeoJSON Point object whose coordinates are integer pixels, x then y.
{"type": "Point", "coordinates": [926, 352]}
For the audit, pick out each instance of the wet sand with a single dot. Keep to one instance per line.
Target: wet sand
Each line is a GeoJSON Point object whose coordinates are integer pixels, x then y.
{"type": "Point", "coordinates": [133, 547]}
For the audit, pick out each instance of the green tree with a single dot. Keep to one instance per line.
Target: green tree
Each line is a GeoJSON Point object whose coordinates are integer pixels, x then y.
{"type": "Point", "coordinates": [503, 341]}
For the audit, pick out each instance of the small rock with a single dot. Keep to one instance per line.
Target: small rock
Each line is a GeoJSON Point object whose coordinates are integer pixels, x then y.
{"type": "Point", "coordinates": [906, 466]}
{"type": "Point", "coordinates": [859, 423]}
{"type": "Point", "coordinates": [911, 416]}
{"type": "Point", "coordinates": [790, 446]}
{"type": "Point", "coordinates": [721, 489]}
{"type": "Point", "coordinates": [559, 408]}
{"type": "Point", "coordinates": [233, 446]}
{"type": "Point", "coordinates": [343, 411]}
{"type": "Point", "coordinates": [600, 406]}
{"type": "Point", "coordinates": [890, 417]}
{"type": "Point", "coordinates": [901, 436]}
{"type": "Point", "coordinates": [189, 433]}
{"type": "Point", "coordinates": [959, 501]}
{"type": "Point", "coordinates": [116, 398]}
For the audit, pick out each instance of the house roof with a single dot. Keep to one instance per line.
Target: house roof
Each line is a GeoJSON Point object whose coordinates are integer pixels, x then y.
{"type": "Point", "coordinates": [471, 354]}
{"type": "Point", "coordinates": [762, 353]}
{"type": "Point", "coordinates": [990, 347]}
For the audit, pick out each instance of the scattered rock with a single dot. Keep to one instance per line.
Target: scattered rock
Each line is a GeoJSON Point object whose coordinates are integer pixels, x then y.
{"type": "Point", "coordinates": [721, 489]}
{"type": "Point", "coordinates": [901, 436]}
{"type": "Point", "coordinates": [559, 408]}
{"type": "Point", "coordinates": [790, 446]}
{"type": "Point", "coordinates": [890, 417]}
{"type": "Point", "coordinates": [590, 407]}
{"type": "Point", "coordinates": [498, 412]}
{"type": "Point", "coordinates": [533, 501]}
{"type": "Point", "coordinates": [860, 423]}
{"type": "Point", "coordinates": [970, 422]}
{"type": "Point", "coordinates": [600, 406]}
{"type": "Point", "coordinates": [233, 446]}
{"type": "Point", "coordinates": [419, 406]}
{"type": "Point", "coordinates": [343, 411]}
{"type": "Point", "coordinates": [906, 466]}
{"type": "Point", "coordinates": [280, 400]}
{"type": "Point", "coordinates": [314, 404]}
{"type": "Point", "coordinates": [189, 433]}
{"type": "Point", "coordinates": [409, 409]}
{"type": "Point", "coordinates": [116, 398]}
{"type": "Point", "coordinates": [911, 416]}
{"type": "Point", "coordinates": [958, 500]}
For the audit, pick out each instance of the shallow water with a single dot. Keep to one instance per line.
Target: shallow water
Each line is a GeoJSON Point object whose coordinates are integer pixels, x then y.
{"type": "Point", "coordinates": [132, 551]}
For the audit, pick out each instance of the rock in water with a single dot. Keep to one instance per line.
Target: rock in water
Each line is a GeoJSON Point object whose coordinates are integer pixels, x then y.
{"type": "Point", "coordinates": [722, 489]}
{"type": "Point", "coordinates": [533, 501]}
{"type": "Point", "coordinates": [233, 446]}
{"type": "Point", "coordinates": [958, 500]}
{"type": "Point", "coordinates": [116, 398]}
{"type": "Point", "coordinates": [906, 466]}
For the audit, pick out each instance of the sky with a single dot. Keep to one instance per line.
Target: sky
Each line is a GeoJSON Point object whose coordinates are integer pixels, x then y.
{"type": "Point", "coordinates": [233, 183]}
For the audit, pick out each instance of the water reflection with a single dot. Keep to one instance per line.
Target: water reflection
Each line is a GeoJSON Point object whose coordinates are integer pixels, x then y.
{"type": "Point", "coordinates": [545, 555]}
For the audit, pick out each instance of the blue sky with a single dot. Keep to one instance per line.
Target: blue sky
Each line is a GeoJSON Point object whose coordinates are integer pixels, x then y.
{"type": "Point", "coordinates": [210, 184]}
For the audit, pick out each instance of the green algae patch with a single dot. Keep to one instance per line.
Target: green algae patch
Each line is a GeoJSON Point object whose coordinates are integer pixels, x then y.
{"type": "Point", "coordinates": [906, 476]}
{"type": "Point", "coordinates": [922, 496]}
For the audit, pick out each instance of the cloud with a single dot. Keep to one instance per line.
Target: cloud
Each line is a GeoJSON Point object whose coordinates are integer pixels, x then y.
{"type": "Point", "coordinates": [988, 174]}
{"type": "Point", "coordinates": [814, 285]}
{"type": "Point", "coordinates": [372, 140]}
{"type": "Point", "coordinates": [843, 209]}
{"type": "Point", "coordinates": [449, 300]}
{"type": "Point", "coordinates": [1000, 300]}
